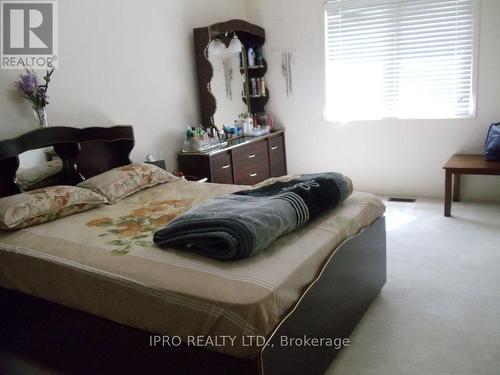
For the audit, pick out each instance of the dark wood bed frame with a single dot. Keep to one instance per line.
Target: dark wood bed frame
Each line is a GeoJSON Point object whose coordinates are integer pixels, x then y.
{"type": "Point", "coordinates": [38, 336]}
{"type": "Point", "coordinates": [85, 152]}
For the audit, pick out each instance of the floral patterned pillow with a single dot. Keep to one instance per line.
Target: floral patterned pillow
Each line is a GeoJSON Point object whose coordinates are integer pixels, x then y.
{"type": "Point", "coordinates": [121, 182]}
{"type": "Point", "coordinates": [42, 205]}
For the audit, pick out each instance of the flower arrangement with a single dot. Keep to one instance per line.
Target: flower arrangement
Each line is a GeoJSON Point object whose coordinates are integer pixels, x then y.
{"type": "Point", "coordinates": [36, 93]}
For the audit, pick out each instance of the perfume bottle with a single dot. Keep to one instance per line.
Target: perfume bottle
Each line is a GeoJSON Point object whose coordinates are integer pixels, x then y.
{"type": "Point", "coordinates": [254, 87]}
{"type": "Point", "coordinates": [251, 57]}
{"type": "Point", "coordinates": [262, 85]}
{"type": "Point", "coordinates": [258, 56]}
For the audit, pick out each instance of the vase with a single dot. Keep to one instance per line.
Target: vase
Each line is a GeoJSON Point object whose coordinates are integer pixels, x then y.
{"type": "Point", "coordinates": [40, 116]}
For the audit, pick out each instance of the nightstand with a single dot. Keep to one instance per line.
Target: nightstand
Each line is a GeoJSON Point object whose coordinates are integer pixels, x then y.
{"type": "Point", "coordinates": [159, 163]}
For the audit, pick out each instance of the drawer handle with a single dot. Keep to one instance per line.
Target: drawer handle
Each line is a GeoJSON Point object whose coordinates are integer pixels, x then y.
{"type": "Point", "coordinates": [226, 166]}
{"type": "Point", "coordinates": [251, 156]}
{"type": "Point", "coordinates": [253, 174]}
{"type": "Point", "coordinates": [274, 148]}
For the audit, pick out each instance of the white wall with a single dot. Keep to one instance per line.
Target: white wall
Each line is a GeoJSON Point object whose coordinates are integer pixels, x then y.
{"type": "Point", "coordinates": [124, 62]}
{"type": "Point", "coordinates": [131, 62]}
{"type": "Point", "coordinates": [387, 157]}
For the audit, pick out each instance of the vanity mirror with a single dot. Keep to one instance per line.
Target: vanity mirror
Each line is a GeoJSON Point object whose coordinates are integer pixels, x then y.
{"type": "Point", "coordinates": [228, 80]}
{"type": "Point", "coordinates": [231, 68]}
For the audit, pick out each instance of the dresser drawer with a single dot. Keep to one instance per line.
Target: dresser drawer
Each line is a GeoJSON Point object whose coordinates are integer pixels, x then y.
{"type": "Point", "coordinates": [248, 161]}
{"type": "Point", "coordinates": [194, 166]}
{"type": "Point", "coordinates": [221, 168]}
{"type": "Point", "coordinates": [277, 156]}
{"type": "Point", "coordinates": [251, 163]}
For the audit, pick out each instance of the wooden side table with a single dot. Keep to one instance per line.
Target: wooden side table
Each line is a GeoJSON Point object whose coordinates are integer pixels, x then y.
{"type": "Point", "coordinates": [464, 164]}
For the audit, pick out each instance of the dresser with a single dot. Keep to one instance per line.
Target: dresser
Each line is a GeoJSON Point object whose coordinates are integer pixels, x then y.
{"type": "Point", "coordinates": [243, 161]}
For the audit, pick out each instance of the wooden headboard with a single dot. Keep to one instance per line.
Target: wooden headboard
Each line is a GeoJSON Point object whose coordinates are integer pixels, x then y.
{"type": "Point", "coordinates": [84, 152]}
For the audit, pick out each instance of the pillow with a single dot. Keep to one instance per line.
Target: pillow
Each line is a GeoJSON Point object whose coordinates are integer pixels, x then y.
{"type": "Point", "coordinates": [47, 204]}
{"type": "Point", "coordinates": [28, 178]}
{"type": "Point", "coordinates": [123, 181]}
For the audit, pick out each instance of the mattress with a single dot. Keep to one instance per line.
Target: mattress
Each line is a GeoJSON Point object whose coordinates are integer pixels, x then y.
{"type": "Point", "coordinates": [104, 262]}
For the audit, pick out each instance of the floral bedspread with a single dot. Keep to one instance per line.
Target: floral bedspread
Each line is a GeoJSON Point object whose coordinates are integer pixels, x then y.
{"type": "Point", "coordinates": [104, 262]}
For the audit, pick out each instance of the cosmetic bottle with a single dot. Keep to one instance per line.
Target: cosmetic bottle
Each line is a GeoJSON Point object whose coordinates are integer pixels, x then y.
{"type": "Point", "coordinates": [254, 86]}
{"type": "Point", "coordinates": [262, 87]}
{"type": "Point", "coordinates": [251, 57]}
{"type": "Point", "coordinates": [258, 56]}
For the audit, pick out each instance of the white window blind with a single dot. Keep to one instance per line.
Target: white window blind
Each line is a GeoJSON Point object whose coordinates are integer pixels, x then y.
{"type": "Point", "coordinates": [399, 59]}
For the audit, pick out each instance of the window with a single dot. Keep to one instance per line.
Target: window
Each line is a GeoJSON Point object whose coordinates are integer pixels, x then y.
{"type": "Point", "coordinates": [400, 59]}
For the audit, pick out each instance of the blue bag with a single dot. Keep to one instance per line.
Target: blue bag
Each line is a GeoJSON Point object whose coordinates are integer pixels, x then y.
{"type": "Point", "coordinates": [492, 146]}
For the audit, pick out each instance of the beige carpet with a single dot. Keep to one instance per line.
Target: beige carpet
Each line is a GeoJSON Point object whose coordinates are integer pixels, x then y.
{"type": "Point", "coordinates": [439, 312]}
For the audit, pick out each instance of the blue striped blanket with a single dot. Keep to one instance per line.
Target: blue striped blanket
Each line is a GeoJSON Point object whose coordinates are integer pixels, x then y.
{"type": "Point", "coordinates": [242, 224]}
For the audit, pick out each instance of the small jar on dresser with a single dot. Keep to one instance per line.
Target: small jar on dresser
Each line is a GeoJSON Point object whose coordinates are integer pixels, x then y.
{"type": "Point", "coordinates": [243, 161]}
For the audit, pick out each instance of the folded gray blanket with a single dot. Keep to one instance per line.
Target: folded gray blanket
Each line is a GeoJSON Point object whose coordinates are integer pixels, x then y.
{"type": "Point", "coordinates": [243, 224]}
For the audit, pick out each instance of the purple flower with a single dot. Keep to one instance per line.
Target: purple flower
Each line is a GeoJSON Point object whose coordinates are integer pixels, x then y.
{"type": "Point", "coordinates": [27, 82]}
{"type": "Point", "coordinates": [33, 91]}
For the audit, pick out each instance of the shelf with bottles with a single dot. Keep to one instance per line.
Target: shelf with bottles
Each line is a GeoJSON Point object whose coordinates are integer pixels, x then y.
{"type": "Point", "coordinates": [255, 71]}
{"type": "Point", "coordinates": [257, 88]}
{"type": "Point", "coordinates": [255, 67]}
{"type": "Point", "coordinates": [263, 95]}
{"type": "Point", "coordinates": [257, 102]}
{"type": "Point", "coordinates": [253, 62]}
{"type": "Point", "coordinates": [257, 95]}
{"type": "Point", "coordinates": [261, 66]}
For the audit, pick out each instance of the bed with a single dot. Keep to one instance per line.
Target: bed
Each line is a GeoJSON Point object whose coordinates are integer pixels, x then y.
{"type": "Point", "coordinates": [114, 302]}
